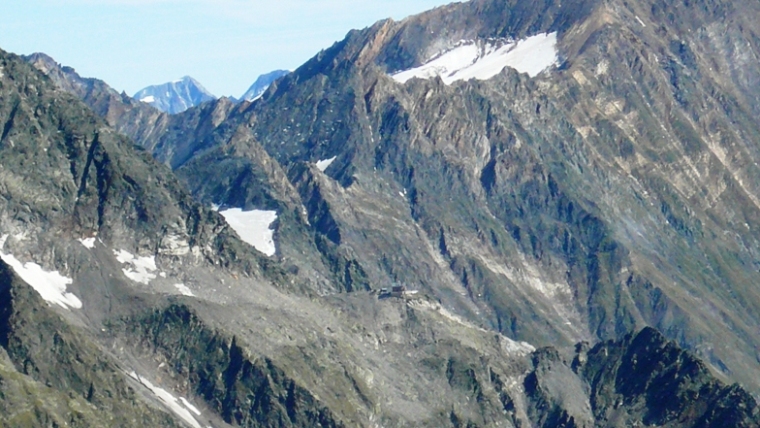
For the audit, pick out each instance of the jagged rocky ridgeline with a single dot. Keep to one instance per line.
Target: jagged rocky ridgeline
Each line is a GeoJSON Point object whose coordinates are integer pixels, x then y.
{"type": "Point", "coordinates": [550, 178]}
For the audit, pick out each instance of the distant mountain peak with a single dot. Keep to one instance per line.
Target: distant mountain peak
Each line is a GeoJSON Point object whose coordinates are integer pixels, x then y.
{"type": "Point", "coordinates": [261, 84]}
{"type": "Point", "coordinates": [176, 96]}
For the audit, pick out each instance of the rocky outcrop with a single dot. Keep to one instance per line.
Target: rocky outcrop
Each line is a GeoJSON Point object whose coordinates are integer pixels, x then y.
{"type": "Point", "coordinates": [641, 380]}
{"type": "Point", "coordinates": [648, 380]}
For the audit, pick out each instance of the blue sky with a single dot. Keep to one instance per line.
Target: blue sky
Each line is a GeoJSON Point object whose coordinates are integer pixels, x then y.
{"type": "Point", "coordinates": [225, 44]}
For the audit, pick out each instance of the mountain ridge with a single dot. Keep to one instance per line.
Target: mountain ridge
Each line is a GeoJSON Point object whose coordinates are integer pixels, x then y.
{"type": "Point", "coordinates": [261, 84]}
{"type": "Point", "coordinates": [176, 96]}
{"type": "Point", "coordinates": [583, 204]}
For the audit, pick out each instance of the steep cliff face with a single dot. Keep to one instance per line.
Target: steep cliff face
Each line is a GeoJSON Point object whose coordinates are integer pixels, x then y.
{"type": "Point", "coordinates": [646, 379]}
{"type": "Point", "coordinates": [640, 380]}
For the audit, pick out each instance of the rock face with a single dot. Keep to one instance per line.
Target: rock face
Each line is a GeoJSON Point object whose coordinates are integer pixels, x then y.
{"type": "Point", "coordinates": [640, 380]}
{"type": "Point", "coordinates": [175, 97]}
{"type": "Point", "coordinates": [578, 210]}
{"type": "Point", "coordinates": [607, 193]}
{"type": "Point", "coordinates": [646, 379]}
{"type": "Point", "coordinates": [261, 84]}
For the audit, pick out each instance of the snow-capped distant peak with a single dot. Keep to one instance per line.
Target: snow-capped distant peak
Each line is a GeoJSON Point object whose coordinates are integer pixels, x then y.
{"type": "Point", "coordinates": [261, 84]}
{"type": "Point", "coordinates": [176, 96]}
{"type": "Point", "coordinates": [472, 59]}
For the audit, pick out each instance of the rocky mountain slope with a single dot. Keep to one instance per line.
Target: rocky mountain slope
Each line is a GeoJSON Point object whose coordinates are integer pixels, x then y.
{"type": "Point", "coordinates": [613, 190]}
{"type": "Point", "coordinates": [176, 96]}
{"type": "Point", "coordinates": [543, 218]}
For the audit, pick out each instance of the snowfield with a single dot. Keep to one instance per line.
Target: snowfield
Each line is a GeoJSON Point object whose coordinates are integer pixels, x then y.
{"type": "Point", "coordinates": [478, 60]}
{"type": "Point", "coordinates": [322, 165]}
{"type": "Point", "coordinates": [253, 227]}
{"type": "Point", "coordinates": [181, 408]}
{"type": "Point", "coordinates": [141, 269]}
{"type": "Point", "coordinates": [50, 285]}
{"type": "Point", "coordinates": [184, 290]}
{"type": "Point", "coordinates": [88, 242]}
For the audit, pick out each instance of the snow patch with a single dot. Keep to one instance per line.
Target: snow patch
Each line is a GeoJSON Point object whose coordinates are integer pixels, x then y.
{"type": "Point", "coordinates": [514, 347]}
{"type": "Point", "coordinates": [325, 163]}
{"type": "Point", "coordinates": [140, 269]}
{"type": "Point", "coordinates": [253, 227]}
{"type": "Point", "coordinates": [184, 290]}
{"type": "Point", "coordinates": [88, 242]}
{"type": "Point", "coordinates": [640, 21]}
{"type": "Point", "coordinates": [171, 401]}
{"type": "Point", "coordinates": [51, 286]}
{"type": "Point", "coordinates": [602, 68]}
{"type": "Point", "coordinates": [148, 99]}
{"type": "Point", "coordinates": [190, 406]}
{"type": "Point", "coordinates": [474, 60]}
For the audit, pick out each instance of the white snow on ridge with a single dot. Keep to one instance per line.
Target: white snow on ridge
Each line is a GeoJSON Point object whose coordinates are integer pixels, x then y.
{"type": "Point", "coordinates": [50, 285]}
{"type": "Point", "coordinates": [323, 164]}
{"type": "Point", "coordinates": [253, 227]}
{"type": "Point", "coordinates": [141, 268]}
{"type": "Point", "coordinates": [473, 61]}
{"type": "Point", "coordinates": [190, 406]}
{"type": "Point", "coordinates": [171, 401]}
{"type": "Point", "coordinates": [148, 99]}
{"type": "Point", "coordinates": [445, 65]}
